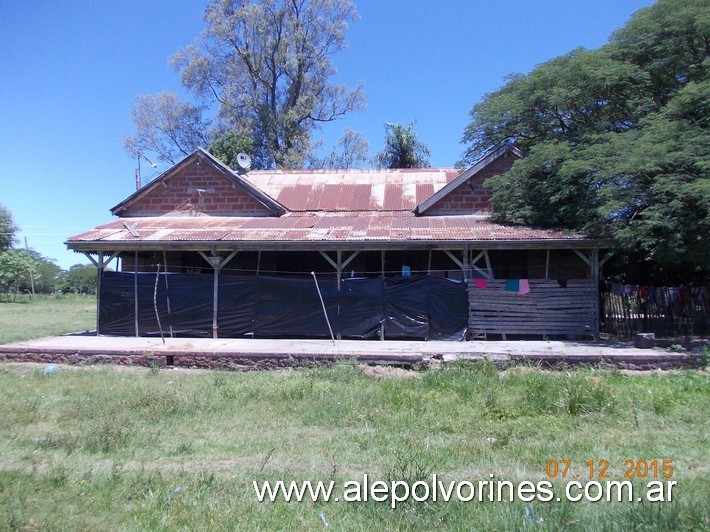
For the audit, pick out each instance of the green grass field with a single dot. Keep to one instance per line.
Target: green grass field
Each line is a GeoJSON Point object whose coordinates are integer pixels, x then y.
{"type": "Point", "coordinates": [46, 316]}
{"type": "Point", "coordinates": [135, 449]}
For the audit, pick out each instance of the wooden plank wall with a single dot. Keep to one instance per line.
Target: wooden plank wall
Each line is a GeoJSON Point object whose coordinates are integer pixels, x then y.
{"type": "Point", "coordinates": [549, 309]}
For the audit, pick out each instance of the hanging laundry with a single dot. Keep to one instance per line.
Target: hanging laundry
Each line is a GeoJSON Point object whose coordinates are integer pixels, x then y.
{"type": "Point", "coordinates": [643, 291]}
{"type": "Point", "coordinates": [512, 285]}
{"type": "Point", "coordinates": [651, 295]}
{"type": "Point", "coordinates": [524, 287]}
{"type": "Point", "coordinates": [684, 294]}
{"type": "Point", "coordinates": [481, 283]}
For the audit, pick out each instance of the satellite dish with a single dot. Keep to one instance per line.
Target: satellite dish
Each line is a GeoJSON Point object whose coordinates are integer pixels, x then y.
{"type": "Point", "coordinates": [244, 161]}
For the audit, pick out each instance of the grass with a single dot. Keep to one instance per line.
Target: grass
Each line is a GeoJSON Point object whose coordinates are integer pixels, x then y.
{"type": "Point", "coordinates": [126, 449]}
{"type": "Point", "coordinates": [46, 316]}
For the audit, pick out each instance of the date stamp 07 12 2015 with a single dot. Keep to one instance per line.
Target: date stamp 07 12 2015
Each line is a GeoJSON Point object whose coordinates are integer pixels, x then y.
{"type": "Point", "coordinates": [600, 468]}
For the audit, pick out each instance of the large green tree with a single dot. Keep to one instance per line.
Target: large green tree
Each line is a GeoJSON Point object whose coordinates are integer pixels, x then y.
{"type": "Point", "coordinates": [79, 279]}
{"type": "Point", "coordinates": [267, 66]}
{"type": "Point", "coordinates": [402, 148]}
{"type": "Point", "coordinates": [8, 229]}
{"type": "Point", "coordinates": [45, 276]}
{"type": "Point", "coordinates": [16, 267]}
{"type": "Point", "coordinates": [616, 141]}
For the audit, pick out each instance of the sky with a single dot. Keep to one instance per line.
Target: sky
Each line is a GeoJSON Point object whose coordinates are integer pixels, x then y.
{"type": "Point", "coordinates": [71, 71]}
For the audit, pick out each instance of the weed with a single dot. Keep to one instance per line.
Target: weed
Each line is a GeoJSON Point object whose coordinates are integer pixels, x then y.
{"type": "Point", "coordinates": [108, 435]}
{"type": "Point", "coordinates": [705, 357]}
{"type": "Point", "coordinates": [584, 394]}
{"type": "Point", "coordinates": [57, 475]}
{"type": "Point", "coordinates": [410, 462]}
{"type": "Point", "coordinates": [184, 448]}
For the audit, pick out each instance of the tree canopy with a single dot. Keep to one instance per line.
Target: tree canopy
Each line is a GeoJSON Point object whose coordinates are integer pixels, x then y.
{"type": "Point", "coordinates": [16, 267]}
{"type": "Point", "coordinates": [166, 125]}
{"type": "Point", "coordinates": [265, 66]}
{"type": "Point", "coordinates": [616, 141]}
{"type": "Point", "coordinates": [79, 279]}
{"type": "Point", "coordinates": [350, 152]}
{"type": "Point", "coordinates": [8, 229]}
{"type": "Point", "coordinates": [402, 148]}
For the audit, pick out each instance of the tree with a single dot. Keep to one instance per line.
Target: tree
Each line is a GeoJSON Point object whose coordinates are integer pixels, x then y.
{"type": "Point", "coordinates": [79, 279]}
{"type": "Point", "coordinates": [402, 148]}
{"type": "Point", "coordinates": [45, 278]}
{"type": "Point", "coordinates": [8, 229]}
{"type": "Point", "coordinates": [350, 152]}
{"type": "Point", "coordinates": [616, 141]}
{"type": "Point", "coordinates": [564, 100]}
{"type": "Point", "coordinates": [267, 66]}
{"type": "Point", "coordinates": [228, 145]}
{"type": "Point", "coordinates": [167, 126]}
{"type": "Point", "coordinates": [15, 267]}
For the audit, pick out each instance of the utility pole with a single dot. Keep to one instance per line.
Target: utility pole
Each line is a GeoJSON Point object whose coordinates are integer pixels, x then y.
{"type": "Point", "coordinates": [32, 279]}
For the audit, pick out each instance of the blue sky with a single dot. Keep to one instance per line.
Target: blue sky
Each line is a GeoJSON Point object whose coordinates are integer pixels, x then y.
{"type": "Point", "coordinates": [71, 71]}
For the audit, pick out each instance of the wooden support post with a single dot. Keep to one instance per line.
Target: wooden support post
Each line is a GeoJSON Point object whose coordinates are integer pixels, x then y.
{"type": "Point", "coordinates": [429, 264]}
{"type": "Point", "coordinates": [547, 264]}
{"type": "Point", "coordinates": [454, 258]}
{"type": "Point", "coordinates": [100, 266]}
{"type": "Point", "coordinates": [489, 269]}
{"type": "Point", "coordinates": [595, 279]}
{"type": "Point", "coordinates": [382, 269]}
{"type": "Point", "coordinates": [215, 295]}
{"type": "Point", "coordinates": [339, 275]}
{"type": "Point", "coordinates": [339, 265]}
{"type": "Point", "coordinates": [99, 274]}
{"type": "Point", "coordinates": [485, 274]}
{"type": "Point", "coordinates": [466, 264]}
{"type": "Point", "coordinates": [217, 264]}
{"type": "Point", "coordinates": [135, 293]}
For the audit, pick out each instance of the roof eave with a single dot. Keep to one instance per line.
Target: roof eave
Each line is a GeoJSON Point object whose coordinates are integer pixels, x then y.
{"type": "Point", "coordinates": [344, 245]}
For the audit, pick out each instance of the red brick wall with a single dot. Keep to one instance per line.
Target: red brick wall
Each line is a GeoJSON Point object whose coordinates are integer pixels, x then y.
{"type": "Point", "coordinates": [471, 197]}
{"type": "Point", "coordinates": [221, 196]}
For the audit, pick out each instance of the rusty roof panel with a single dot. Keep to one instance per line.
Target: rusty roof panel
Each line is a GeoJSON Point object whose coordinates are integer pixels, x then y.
{"type": "Point", "coordinates": [328, 200]}
{"type": "Point", "coordinates": [360, 196]}
{"type": "Point", "coordinates": [304, 190]}
{"type": "Point", "coordinates": [393, 197]}
{"type": "Point", "coordinates": [424, 190]}
{"type": "Point", "coordinates": [316, 227]}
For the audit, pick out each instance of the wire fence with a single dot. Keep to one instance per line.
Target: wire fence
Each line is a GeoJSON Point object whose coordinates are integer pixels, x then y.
{"type": "Point", "coordinates": [665, 311]}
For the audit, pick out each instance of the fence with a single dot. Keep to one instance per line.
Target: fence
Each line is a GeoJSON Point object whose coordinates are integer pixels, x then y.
{"type": "Point", "coordinates": [417, 307]}
{"type": "Point", "coordinates": [551, 308]}
{"type": "Point", "coordinates": [665, 311]}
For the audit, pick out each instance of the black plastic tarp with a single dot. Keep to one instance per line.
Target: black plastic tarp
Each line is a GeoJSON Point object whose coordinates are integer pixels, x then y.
{"type": "Point", "coordinates": [448, 309]}
{"type": "Point", "coordinates": [290, 306]}
{"type": "Point", "coordinates": [418, 307]}
{"type": "Point", "coordinates": [406, 302]}
{"type": "Point", "coordinates": [361, 308]}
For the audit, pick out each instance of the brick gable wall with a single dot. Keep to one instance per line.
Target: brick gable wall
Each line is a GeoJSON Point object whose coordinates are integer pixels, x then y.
{"type": "Point", "coordinates": [180, 193]}
{"type": "Point", "coordinates": [471, 197]}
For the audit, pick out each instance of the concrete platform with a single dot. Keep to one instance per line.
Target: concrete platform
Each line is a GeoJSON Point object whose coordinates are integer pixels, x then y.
{"type": "Point", "coordinates": [250, 354]}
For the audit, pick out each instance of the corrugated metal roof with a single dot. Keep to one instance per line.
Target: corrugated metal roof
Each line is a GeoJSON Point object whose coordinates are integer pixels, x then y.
{"type": "Point", "coordinates": [315, 227]}
{"type": "Point", "coordinates": [351, 190]}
